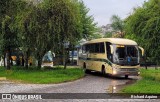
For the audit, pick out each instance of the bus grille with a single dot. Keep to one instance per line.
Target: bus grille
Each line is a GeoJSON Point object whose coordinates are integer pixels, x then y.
{"type": "Point", "coordinates": [128, 69]}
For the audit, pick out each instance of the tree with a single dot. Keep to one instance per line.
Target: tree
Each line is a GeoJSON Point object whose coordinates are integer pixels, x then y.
{"type": "Point", "coordinates": [117, 25]}
{"type": "Point", "coordinates": [32, 26]}
{"type": "Point", "coordinates": [8, 37]}
{"type": "Point", "coordinates": [46, 25]}
{"type": "Point", "coordinates": [63, 19]}
{"type": "Point", "coordinates": [144, 26]}
{"type": "Point", "coordinates": [19, 26]}
{"type": "Point", "coordinates": [108, 35]}
{"type": "Point", "coordinates": [68, 23]}
{"type": "Point", "coordinates": [87, 21]}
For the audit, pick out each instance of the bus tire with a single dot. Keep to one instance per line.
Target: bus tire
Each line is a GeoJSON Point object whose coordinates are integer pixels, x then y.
{"type": "Point", "coordinates": [87, 71]}
{"type": "Point", "coordinates": [126, 76]}
{"type": "Point", "coordinates": [103, 70]}
{"type": "Point", "coordinates": [84, 68]}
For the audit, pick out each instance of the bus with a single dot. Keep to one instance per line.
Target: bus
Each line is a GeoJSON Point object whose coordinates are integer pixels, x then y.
{"type": "Point", "coordinates": [114, 56]}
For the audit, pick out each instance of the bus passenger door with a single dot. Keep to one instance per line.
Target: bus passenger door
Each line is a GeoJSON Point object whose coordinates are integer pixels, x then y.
{"type": "Point", "coordinates": [109, 53]}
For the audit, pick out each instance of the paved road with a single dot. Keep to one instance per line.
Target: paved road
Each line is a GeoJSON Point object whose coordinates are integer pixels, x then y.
{"type": "Point", "coordinates": [91, 83]}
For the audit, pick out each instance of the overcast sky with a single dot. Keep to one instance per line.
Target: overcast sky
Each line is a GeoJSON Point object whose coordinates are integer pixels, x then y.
{"type": "Point", "coordinates": [102, 10]}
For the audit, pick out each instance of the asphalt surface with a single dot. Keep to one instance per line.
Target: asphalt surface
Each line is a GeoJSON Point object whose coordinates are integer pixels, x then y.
{"type": "Point", "coordinates": [91, 83]}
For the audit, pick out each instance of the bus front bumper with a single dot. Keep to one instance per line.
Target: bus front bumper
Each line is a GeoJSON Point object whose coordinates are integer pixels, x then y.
{"type": "Point", "coordinates": [126, 71]}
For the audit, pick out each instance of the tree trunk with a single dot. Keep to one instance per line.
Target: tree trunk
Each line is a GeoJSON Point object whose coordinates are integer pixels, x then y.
{"type": "Point", "coordinates": [39, 63]}
{"type": "Point", "coordinates": [72, 57]}
{"type": "Point", "coordinates": [145, 58]}
{"type": "Point", "coordinates": [156, 66]}
{"type": "Point", "coordinates": [26, 60]}
{"type": "Point", "coordinates": [22, 62]}
{"type": "Point", "coordinates": [63, 58]}
{"type": "Point", "coordinates": [65, 65]}
{"type": "Point", "coordinates": [66, 58]}
{"type": "Point", "coordinates": [8, 56]}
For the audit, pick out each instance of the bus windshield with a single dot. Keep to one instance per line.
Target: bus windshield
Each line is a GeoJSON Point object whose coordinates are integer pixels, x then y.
{"type": "Point", "coordinates": [125, 55]}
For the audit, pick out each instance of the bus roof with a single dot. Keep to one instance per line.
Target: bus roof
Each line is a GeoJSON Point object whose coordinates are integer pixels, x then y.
{"type": "Point", "coordinates": [120, 41]}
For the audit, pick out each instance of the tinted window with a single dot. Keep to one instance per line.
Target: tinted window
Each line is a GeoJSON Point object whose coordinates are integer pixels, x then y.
{"type": "Point", "coordinates": [101, 48]}
{"type": "Point", "coordinates": [92, 48]}
{"type": "Point", "coordinates": [84, 49]}
{"type": "Point", "coordinates": [121, 52]}
{"type": "Point", "coordinates": [97, 48]}
{"type": "Point", "coordinates": [109, 55]}
{"type": "Point", "coordinates": [132, 51]}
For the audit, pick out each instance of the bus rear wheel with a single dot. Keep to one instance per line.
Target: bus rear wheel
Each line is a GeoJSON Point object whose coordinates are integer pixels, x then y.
{"type": "Point", "coordinates": [126, 76]}
{"type": "Point", "coordinates": [85, 70]}
{"type": "Point", "coordinates": [103, 71]}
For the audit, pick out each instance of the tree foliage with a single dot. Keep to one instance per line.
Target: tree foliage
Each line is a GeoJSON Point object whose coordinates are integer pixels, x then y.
{"type": "Point", "coordinates": [118, 26]}
{"type": "Point", "coordinates": [88, 25]}
{"type": "Point", "coordinates": [144, 27]}
{"type": "Point", "coordinates": [108, 35]}
{"type": "Point", "coordinates": [38, 27]}
{"type": "Point", "coordinates": [8, 36]}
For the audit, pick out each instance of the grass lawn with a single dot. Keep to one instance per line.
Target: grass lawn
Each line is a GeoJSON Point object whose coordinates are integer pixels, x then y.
{"type": "Point", "coordinates": [46, 76]}
{"type": "Point", "coordinates": [150, 82]}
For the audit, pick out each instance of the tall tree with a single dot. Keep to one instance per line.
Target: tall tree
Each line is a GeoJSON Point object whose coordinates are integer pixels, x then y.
{"type": "Point", "coordinates": [33, 34]}
{"type": "Point", "coordinates": [8, 37]}
{"type": "Point", "coordinates": [87, 21]}
{"type": "Point", "coordinates": [117, 25]}
{"type": "Point", "coordinates": [144, 26]}
{"type": "Point", "coordinates": [65, 25]}
{"type": "Point", "coordinates": [19, 24]}
{"type": "Point", "coordinates": [47, 25]}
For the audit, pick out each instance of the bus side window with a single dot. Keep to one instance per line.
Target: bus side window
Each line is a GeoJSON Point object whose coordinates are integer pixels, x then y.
{"type": "Point", "coordinates": [93, 48]}
{"type": "Point", "coordinates": [109, 55]}
{"type": "Point", "coordinates": [97, 48]}
{"type": "Point", "coordinates": [87, 48]}
{"type": "Point", "coordinates": [84, 49]}
{"type": "Point", "coordinates": [102, 48]}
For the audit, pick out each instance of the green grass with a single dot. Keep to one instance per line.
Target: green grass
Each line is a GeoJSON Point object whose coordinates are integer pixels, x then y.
{"type": "Point", "coordinates": [46, 76]}
{"type": "Point", "coordinates": [150, 82]}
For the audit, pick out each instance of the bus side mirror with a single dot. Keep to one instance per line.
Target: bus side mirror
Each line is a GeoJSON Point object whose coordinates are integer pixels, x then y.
{"type": "Point", "coordinates": [142, 50]}
{"type": "Point", "coordinates": [111, 47]}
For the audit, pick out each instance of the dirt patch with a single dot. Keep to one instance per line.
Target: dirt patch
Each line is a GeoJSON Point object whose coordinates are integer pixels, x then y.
{"type": "Point", "coordinates": [2, 78]}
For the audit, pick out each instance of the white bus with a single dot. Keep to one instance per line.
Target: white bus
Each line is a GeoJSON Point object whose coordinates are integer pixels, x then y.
{"type": "Point", "coordinates": [47, 60]}
{"type": "Point", "coordinates": [115, 56]}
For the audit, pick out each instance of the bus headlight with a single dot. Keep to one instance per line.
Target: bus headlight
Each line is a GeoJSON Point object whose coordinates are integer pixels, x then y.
{"type": "Point", "coordinates": [115, 69]}
{"type": "Point", "coordinates": [114, 72]}
{"type": "Point", "coordinates": [114, 88]}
